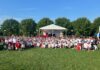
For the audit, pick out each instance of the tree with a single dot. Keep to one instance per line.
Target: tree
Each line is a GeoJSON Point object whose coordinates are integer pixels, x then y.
{"type": "Point", "coordinates": [82, 26]}
{"type": "Point", "coordinates": [95, 26]}
{"type": "Point", "coordinates": [70, 29]}
{"type": "Point", "coordinates": [10, 26]}
{"type": "Point", "coordinates": [64, 22]}
{"type": "Point", "coordinates": [28, 27]}
{"type": "Point", "coordinates": [44, 22]}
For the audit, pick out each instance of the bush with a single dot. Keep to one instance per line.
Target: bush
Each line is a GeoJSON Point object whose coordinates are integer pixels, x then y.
{"type": "Point", "coordinates": [1, 45]}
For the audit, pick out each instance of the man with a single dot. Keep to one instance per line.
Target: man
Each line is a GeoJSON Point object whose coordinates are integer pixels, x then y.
{"type": "Point", "coordinates": [14, 41]}
{"type": "Point", "coordinates": [17, 45]}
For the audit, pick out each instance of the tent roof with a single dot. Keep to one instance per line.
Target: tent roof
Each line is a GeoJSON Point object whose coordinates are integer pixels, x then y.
{"type": "Point", "coordinates": [52, 27]}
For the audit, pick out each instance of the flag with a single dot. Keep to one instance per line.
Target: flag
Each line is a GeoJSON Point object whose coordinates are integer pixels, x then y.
{"type": "Point", "coordinates": [98, 35]}
{"type": "Point", "coordinates": [99, 29]}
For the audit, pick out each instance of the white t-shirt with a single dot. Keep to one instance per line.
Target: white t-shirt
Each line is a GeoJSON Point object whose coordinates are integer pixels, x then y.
{"type": "Point", "coordinates": [10, 40]}
{"type": "Point", "coordinates": [14, 40]}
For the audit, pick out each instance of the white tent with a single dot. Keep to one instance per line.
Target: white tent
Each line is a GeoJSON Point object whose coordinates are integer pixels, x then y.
{"type": "Point", "coordinates": [53, 29]}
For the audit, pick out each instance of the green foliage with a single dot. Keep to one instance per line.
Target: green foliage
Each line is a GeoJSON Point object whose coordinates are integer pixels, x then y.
{"type": "Point", "coordinates": [62, 22]}
{"type": "Point", "coordinates": [70, 29]}
{"type": "Point", "coordinates": [10, 26]}
{"type": "Point", "coordinates": [44, 22]}
{"type": "Point", "coordinates": [95, 26]}
{"type": "Point", "coordinates": [77, 34]}
{"type": "Point", "coordinates": [83, 26]}
{"type": "Point", "coordinates": [1, 45]}
{"type": "Point", "coordinates": [49, 59]}
{"type": "Point", "coordinates": [28, 27]}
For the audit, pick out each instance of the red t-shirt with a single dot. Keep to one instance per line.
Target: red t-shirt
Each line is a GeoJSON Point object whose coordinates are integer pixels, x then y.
{"type": "Point", "coordinates": [18, 45]}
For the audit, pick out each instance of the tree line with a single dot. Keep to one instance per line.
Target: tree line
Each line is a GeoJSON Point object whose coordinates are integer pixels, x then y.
{"type": "Point", "coordinates": [28, 27]}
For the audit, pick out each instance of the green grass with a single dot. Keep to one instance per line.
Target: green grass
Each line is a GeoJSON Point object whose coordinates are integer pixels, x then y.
{"type": "Point", "coordinates": [49, 59]}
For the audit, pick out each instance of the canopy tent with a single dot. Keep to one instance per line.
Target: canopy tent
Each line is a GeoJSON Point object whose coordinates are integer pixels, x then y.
{"type": "Point", "coordinates": [52, 29]}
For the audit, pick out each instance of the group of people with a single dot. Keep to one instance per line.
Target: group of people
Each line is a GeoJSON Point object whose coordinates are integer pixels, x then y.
{"type": "Point", "coordinates": [16, 43]}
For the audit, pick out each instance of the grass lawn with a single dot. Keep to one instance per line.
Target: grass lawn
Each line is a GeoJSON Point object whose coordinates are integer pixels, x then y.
{"type": "Point", "coordinates": [49, 59]}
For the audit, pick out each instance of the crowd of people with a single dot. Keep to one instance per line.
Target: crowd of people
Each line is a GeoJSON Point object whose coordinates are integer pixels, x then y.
{"type": "Point", "coordinates": [16, 43]}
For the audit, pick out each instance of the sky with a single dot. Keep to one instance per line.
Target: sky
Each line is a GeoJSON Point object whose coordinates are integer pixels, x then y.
{"type": "Point", "coordinates": [38, 9]}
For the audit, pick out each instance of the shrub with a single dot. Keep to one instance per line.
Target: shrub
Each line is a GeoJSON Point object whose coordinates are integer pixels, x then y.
{"type": "Point", "coordinates": [1, 45]}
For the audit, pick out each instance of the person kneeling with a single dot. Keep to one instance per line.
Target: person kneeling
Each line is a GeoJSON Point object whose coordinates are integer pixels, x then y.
{"type": "Point", "coordinates": [17, 45]}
